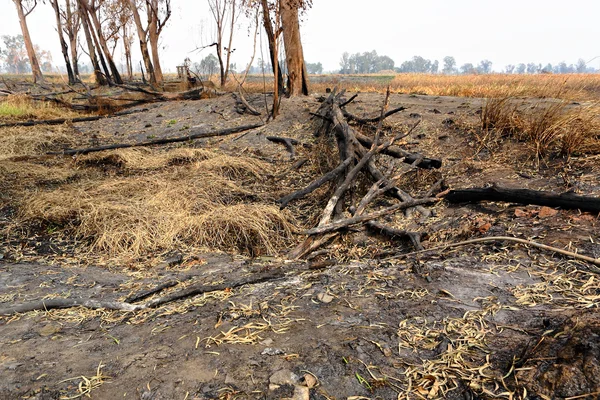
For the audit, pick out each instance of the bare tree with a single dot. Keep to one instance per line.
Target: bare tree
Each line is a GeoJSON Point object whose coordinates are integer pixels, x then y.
{"type": "Point", "coordinates": [63, 43]}
{"type": "Point", "coordinates": [92, 11]}
{"type": "Point", "coordinates": [71, 29]}
{"type": "Point", "coordinates": [101, 78]}
{"type": "Point", "coordinates": [159, 12]}
{"type": "Point", "coordinates": [24, 8]}
{"type": "Point", "coordinates": [297, 82]}
{"type": "Point", "coordinates": [223, 11]}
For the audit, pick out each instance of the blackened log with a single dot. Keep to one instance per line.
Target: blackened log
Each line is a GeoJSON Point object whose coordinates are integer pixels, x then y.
{"type": "Point", "coordinates": [568, 201]}
{"type": "Point", "coordinates": [199, 135]}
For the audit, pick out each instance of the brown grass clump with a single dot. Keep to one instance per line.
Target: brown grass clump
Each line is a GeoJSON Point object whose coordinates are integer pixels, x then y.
{"type": "Point", "coordinates": [26, 141]}
{"type": "Point", "coordinates": [548, 126]}
{"type": "Point", "coordinates": [202, 159]}
{"type": "Point", "coordinates": [21, 107]}
{"type": "Point", "coordinates": [140, 214]}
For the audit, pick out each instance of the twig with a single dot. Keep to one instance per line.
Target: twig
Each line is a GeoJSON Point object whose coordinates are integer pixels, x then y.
{"type": "Point", "coordinates": [595, 261]}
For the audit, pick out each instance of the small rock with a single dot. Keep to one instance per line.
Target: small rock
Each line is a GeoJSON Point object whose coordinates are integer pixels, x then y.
{"type": "Point", "coordinates": [414, 115]}
{"type": "Point", "coordinates": [49, 329]}
{"type": "Point", "coordinates": [301, 393]}
{"type": "Point", "coordinates": [309, 381]}
{"type": "Point", "coordinates": [230, 380]}
{"type": "Point", "coordinates": [269, 351]}
{"type": "Point", "coordinates": [546, 212]}
{"type": "Point", "coordinates": [267, 342]}
{"type": "Point", "coordinates": [325, 298]}
{"type": "Point", "coordinates": [283, 377]}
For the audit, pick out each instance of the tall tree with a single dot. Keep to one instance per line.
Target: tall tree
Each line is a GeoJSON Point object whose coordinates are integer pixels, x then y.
{"type": "Point", "coordinates": [92, 10]}
{"type": "Point", "coordinates": [159, 12]}
{"type": "Point", "coordinates": [297, 82]}
{"type": "Point", "coordinates": [71, 29]}
{"type": "Point", "coordinates": [101, 79]}
{"type": "Point", "coordinates": [24, 8]}
{"type": "Point", "coordinates": [63, 43]}
{"type": "Point", "coordinates": [143, 38]}
{"type": "Point", "coordinates": [223, 11]}
{"type": "Point", "coordinates": [449, 65]}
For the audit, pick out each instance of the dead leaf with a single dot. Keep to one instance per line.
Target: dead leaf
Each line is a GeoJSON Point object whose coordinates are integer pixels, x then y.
{"type": "Point", "coordinates": [546, 212]}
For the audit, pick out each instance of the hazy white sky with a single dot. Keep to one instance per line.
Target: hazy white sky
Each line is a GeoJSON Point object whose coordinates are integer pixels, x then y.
{"type": "Point", "coordinates": [505, 32]}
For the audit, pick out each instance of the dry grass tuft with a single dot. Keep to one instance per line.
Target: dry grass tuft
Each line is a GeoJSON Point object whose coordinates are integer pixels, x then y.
{"type": "Point", "coordinates": [21, 107]}
{"type": "Point", "coordinates": [140, 214]}
{"type": "Point", "coordinates": [203, 160]}
{"type": "Point", "coordinates": [549, 127]}
{"type": "Point", "coordinates": [26, 141]}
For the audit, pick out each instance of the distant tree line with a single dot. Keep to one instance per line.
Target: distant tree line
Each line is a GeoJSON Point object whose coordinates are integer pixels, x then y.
{"type": "Point", "coordinates": [371, 62]}
{"type": "Point", "coordinates": [15, 60]}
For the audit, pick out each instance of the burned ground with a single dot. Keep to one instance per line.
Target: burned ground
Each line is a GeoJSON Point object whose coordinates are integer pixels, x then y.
{"type": "Point", "coordinates": [491, 320]}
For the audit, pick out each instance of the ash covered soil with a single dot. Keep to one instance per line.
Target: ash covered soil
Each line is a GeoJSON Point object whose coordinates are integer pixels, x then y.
{"type": "Point", "coordinates": [483, 321]}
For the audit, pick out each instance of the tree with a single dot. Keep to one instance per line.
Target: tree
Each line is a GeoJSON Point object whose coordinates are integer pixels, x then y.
{"type": "Point", "coordinates": [221, 10]}
{"type": "Point", "coordinates": [419, 64]}
{"type": "Point", "coordinates": [314, 68]}
{"type": "Point", "coordinates": [209, 65]}
{"type": "Point", "coordinates": [101, 78]}
{"type": "Point", "coordinates": [509, 69]}
{"type": "Point", "coordinates": [71, 29]}
{"type": "Point", "coordinates": [521, 68]}
{"type": "Point", "coordinates": [297, 82]}
{"type": "Point", "coordinates": [449, 65]}
{"type": "Point", "coordinates": [467, 68]}
{"type": "Point", "coordinates": [581, 66]}
{"type": "Point", "coordinates": [484, 67]}
{"type": "Point", "coordinates": [24, 8]}
{"type": "Point", "coordinates": [15, 55]}
{"type": "Point", "coordinates": [63, 43]}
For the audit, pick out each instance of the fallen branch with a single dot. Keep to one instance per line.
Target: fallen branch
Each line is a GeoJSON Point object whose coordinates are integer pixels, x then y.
{"type": "Point", "coordinates": [190, 291]}
{"type": "Point", "coordinates": [595, 261]}
{"type": "Point", "coordinates": [50, 304]}
{"type": "Point", "coordinates": [289, 143]}
{"type": "Point", "coordinates": [199, 135]}
{"type": "Point", "coordinates": [60, 121]}
{"type": "Point", "coordinates": [567, 201]}
{"type": "Point", "coordinates": [335, 226]}
{"type": "Point", "coordinates": [360, 120]}
{"type": "Point", "coordinates": [284, 201]}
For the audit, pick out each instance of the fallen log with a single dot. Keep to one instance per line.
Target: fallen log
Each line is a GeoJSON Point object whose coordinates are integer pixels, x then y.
{"type": "Point", "coordinates": [191, 136]}
{"type": "Point", "coordinates": [284, 201]}
{"type": "Point", "coordinates": [60, 121]}
{"type": "Point", "coordinates": [568, 201]}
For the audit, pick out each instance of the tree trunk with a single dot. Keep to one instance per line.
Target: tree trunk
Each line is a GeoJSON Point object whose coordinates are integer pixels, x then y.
{"type": "Point", "coordinates": [272, 47]}
{"type": "Point", "coordinates": [63, 43]}
{"type": "Point", "coordinates": [100, 78]}
{"type": "Point", "coordinates": [297, 76]}
{"type": "Point", "coordinates": [143, 36]}
{"type": "Point", "coordinates": [158, 75]}
{"type": "Point", "coordinates": [35, 65]}
{"type": "Point", "coordinates": [107, 53]}
{"type": "Point", "coordinates": [127, 47]}
{"type": "Point", "coordinates": [72, 30]}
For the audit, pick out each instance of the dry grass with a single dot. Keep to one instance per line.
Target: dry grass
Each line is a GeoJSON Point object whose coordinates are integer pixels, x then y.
{"type": "Point", "coordinates": [193, 205]}
{"type": "Point", "coordinates": [568, 87]}
{"type": "Point", "coordinates": [22, 107]}
{"type": "Point", "coordinates": [27, 141]}
{"type": "Point", "coordinates": [547, 126]}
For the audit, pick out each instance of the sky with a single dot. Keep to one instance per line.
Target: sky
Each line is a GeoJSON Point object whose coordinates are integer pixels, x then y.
{"type": "Point", "coordinates": [505, 32]}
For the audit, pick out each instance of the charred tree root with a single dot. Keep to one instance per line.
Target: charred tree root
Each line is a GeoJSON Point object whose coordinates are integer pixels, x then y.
{"type": "Point", "coordinates": [568, 201]}
{"type": "Point", "coordinates": [199, 135]}
{"type": "Point", "coordinates": [289, 143]}
{"type": "Point", "coordinates": [392, 233]}
{"type": "Point", "coordinates": [360, 120]}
